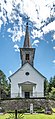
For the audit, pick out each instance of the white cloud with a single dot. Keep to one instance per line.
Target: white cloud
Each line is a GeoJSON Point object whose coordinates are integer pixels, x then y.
{"type": "Point", "coordinates": [37, 34]}
{"type": "Point", "coordinates": [35, 12]}
{"type": "Point", "coordinates": [54, 61]}
{"type": "Point", "coordinates": [54, 36]}
{"type": "Point", "coordinates": [54, 47]}
{"type": "Point", "coordinates": [17, 31]}
{"type": "Point", "coordinates": [39, 11]}
{"type": "Point", "coordinates": [5, 8]}
{"type": "Point", "coordinates": [9, 30]}
{"type": "Point", "coordinates": [10, 72]}
{"type": "Point", "coordinates": [45, 30]}
{"type": "Point", "coordinates": [16, 48]}
{"type": "Point", "coordinates": [49, 27]}
{"type": "Point", "coordinates": [1, 23]}
{"type": "Point", "coordinates": [16, 34]}
{"type": "Point", "coordinates": [35, 42]}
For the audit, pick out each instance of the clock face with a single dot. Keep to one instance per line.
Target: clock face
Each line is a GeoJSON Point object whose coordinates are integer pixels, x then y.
{"type": "Point", "coordinates": [27, 73]}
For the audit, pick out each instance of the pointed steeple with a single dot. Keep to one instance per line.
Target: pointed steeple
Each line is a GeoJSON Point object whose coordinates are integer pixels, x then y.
{"type": "Point", "coordinates": [27, 38]}
{"type": "Point", "coordinates": [27, 52]}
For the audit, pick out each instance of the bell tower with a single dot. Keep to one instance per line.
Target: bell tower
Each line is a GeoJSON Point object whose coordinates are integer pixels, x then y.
{"type": "Point", "coordinates": [27, 52]}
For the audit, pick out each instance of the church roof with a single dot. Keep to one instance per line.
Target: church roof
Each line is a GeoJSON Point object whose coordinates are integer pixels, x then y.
{"type": "Point", "coordinates": [27, 38]}
{"type": "Point", "coordinates": [31, 66]}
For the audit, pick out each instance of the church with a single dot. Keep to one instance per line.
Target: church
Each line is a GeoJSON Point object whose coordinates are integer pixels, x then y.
{"type": "Point", "coordinates": [27, 82]}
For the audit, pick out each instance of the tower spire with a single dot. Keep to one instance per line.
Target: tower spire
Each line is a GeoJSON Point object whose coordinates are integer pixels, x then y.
{"type": "Point", "coordinates": [27, 52]}
{"type": "Point", "coordinates": [27, 38]}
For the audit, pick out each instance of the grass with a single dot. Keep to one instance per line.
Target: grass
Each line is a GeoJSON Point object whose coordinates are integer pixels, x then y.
{"type": "Point", "coordinates": [53, 110]}
{"type": "Point", "coordinates": [39, 116]}
{"type": "Point", "coordinates": [30, 116]}
{"type": "Point", "coordinates": [4, 116]}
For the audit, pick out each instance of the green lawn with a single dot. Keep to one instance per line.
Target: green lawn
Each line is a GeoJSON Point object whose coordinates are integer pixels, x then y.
{"type": "Point", "coordinates": [31, 116]}
{"type": "Point", "coordinates": [4, 116]}
{"type": "Point", "coordinates": [53, 110]}
{"type": "Point", "coordinates": [39, 116]}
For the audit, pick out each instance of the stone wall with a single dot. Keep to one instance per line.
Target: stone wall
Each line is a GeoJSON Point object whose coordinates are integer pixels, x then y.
{"type": "Point", "coordinates": [25, 104]}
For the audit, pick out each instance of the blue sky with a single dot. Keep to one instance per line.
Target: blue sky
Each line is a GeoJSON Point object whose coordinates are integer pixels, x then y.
{"type": "Point", "coordinates": [13, 18]}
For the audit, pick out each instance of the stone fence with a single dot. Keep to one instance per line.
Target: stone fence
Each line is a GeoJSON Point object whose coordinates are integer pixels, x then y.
{"type": "Point", "coordinates": [19, 104]}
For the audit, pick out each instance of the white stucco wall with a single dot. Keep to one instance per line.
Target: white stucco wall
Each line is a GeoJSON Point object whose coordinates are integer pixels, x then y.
{"type": "Point", "coordinates": [20, 77]}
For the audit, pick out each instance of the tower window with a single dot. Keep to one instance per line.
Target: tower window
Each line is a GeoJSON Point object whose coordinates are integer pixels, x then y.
{"type": "Point", "coordinates": [27, 56]}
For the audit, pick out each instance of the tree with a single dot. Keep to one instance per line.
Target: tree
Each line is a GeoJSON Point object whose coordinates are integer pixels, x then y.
{"type": "Point", "coordinates": [4, 85]}
{"type": "Point", "coordinates": [52, 93]}
{"type": "Point", "coordinates": [53, 82]}
{"type": "Point", "coordinates": [46, 87]}
{"type": "Point", "coordinates": [51, 88]}
{"type": "Point", "coordinates": [50, 85]}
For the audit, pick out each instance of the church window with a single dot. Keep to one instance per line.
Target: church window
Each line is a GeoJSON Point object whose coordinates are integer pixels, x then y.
{"type": "Point", "coordinates": [27, 56]}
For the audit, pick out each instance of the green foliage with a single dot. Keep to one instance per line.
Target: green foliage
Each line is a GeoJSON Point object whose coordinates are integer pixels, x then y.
{"type": "Point", "coordinates": [50, 85]}
{"type": "Point", "coordinates": [53, 109]}
{"type": "Point", "coordinates": [53, 82]}
{"type": "Point", "coordinates": [39, 110]}
{"type": "Point", "coordinates": [22, 111]}
{"type": "Point", "coordinates": [49, 88]}
{"type": "Point", "coordinates": [4, 86]}
{"type": "Point", "coordinates": [46, 87]}
{"type": "Point", "coordinates": [20, 116]}
{"type": "Point", "coordinates": [52, 93]}
{"type": "Point", "coordinates": [12, 116]}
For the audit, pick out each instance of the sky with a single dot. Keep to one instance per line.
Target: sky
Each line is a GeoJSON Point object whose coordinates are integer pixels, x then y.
{"type": "Point", "coordinates": [41, 20]}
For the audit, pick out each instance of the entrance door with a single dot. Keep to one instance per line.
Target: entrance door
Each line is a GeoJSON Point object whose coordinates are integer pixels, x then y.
{"type": "Point", "coordinates": [27, 94]}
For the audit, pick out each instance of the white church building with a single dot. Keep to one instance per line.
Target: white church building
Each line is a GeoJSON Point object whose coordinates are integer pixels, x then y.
{"type": "Point", "coordinates": [27, 82]}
